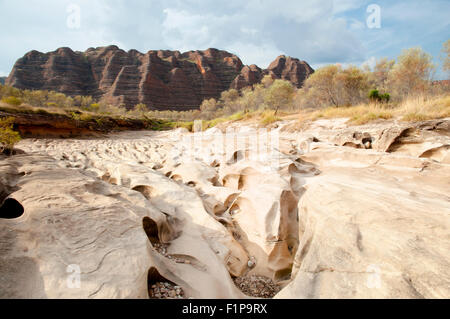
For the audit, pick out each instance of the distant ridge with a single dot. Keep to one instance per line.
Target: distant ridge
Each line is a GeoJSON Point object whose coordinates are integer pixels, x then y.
{"type": "Point", "coordinates": [160, 79]}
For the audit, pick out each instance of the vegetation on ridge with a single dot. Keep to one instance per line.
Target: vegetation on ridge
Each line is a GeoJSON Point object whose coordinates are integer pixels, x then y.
{"type": "Point", "coordinates": [392, 89]}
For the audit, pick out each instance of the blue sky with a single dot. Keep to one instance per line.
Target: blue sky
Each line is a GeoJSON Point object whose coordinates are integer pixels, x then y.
{"type": "Point", "coordinates": [317, 31]}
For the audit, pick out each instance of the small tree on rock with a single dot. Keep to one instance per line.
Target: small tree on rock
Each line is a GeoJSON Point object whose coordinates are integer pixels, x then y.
{"type": "Point", "coordinates": [8, 137]}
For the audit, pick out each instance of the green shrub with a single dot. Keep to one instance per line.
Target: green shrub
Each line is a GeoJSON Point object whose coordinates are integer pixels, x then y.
{"type": "Point", "coordinates": [94, 107]}
{"type": "Point", "coordinates": [374, 95]}
{"type": "Point", "coordinates": [85, 117]}
{"type": "Point", "coordinates": [386, 97]}
{"type": "Point", "coordinates": [12, 100]}
{"type": "Point", "coordinates": [8, 137]}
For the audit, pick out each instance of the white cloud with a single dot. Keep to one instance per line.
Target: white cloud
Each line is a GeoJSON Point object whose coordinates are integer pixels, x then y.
{"type": "Point", "coordinates": [370, 62]}
{"type": "Point", "coordinates": [305, 29]}
{"type": "Point", "coordinates": [340, 6]}
{"type": "Point", "coordinates": [318, 31]}
{"type": "Point", "coordinates": [249, 53]}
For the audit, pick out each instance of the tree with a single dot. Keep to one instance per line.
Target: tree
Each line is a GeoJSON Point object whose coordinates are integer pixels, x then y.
{"type": "Point", "coordinates": [412, 73]}
{"type": "Point", "coordinates": [12, 100]}
{"type": "Point", "coordinates": [279, 95]}
{"type": "Point", "coordinates": [247, 100]}
{"type": "Point", "coordinates": [139, 109]}
{"type": "Point", "coordinates": [320, 88]}
{"type": "Point", "coordinates": [59, 99]}
{"type": "Point", "coordinates": [229, 99]}
{"type": "Point", "coordinates": [267, 81]}
{"type": "Point", "coordinates": [379, 77]}
{"type": "Point", "coordinates": [446, 58]}
{"type": "Point", "coordinates": [351, 85]}
{"type": "Point", "coordinates": [8, 137]}
{"type": "Point", "coordinates": [334, 86]}
{"type": "Point", "coordinates": [208, 107]}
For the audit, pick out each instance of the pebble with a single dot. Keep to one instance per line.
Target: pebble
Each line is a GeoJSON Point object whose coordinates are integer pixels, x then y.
{"type": "Point", "coordinates": [257, 286]}
{"type": "Point", "coordinates": [252, 262]}
{"type": "Point", "coordinates": [166, 290]}
{"type": "Point", "coordinates": [162, 249]}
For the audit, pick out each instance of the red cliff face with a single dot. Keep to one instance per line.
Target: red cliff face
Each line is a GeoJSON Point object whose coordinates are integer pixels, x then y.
{"type": "Point", "coordinates": [290, 69]}
{"type": "Point", "coordinates": [160, 79]}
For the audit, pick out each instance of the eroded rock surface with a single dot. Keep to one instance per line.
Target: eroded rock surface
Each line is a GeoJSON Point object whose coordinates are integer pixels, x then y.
{"type": "Point", "coordinates": [205, 215]}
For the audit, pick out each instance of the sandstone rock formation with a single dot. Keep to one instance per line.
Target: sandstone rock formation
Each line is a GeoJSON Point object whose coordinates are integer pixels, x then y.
{"type": "Point", "coordinates": [328, 212]}
{"type": "Point", "coordinates": [290, 69]}
{"type": "Point", "coordinates": [160, 79]}
{"type": "Point", "coordinates": [249, 75]}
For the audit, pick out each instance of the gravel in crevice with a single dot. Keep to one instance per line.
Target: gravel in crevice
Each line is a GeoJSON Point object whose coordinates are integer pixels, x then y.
{"type": "Point", "coordinates": [257, 286]}
{"type": "Point", "coordinates": [165, 290]}
{"type": "Point", "coordinates": [162, 249]}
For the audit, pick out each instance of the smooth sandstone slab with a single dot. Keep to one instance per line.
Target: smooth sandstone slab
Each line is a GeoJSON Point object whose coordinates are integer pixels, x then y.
{"type": "Point", "coordinates": [323, 211]}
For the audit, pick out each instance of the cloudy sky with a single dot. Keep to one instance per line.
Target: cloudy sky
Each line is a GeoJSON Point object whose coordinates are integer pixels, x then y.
{"type": "Point", "coordinates": [317, 31]}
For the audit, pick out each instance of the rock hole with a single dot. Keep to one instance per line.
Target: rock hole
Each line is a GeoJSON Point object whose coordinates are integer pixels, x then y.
{"type": "Point", "coordinates": [11, 209]}
{"type": "Point", "coordinates": [151, 229]}
{"type": "Point", "coordinates": [236, 235]}
{"type": "Point", "coordinates": [237, 156]}
{"type": "Point", "coordinates": [157, 166]}
{"type": "Point", "coordinates": [241, 182]}
{"type": "Point", "coordinates": [224, 222]}
{"type": "Point", "coordinates": [283, 274]}
{"type": "Point", "coordinates": [144, 190]}
{"type": "Point", "coordinates": [107, 178]}
{"type": "Point", "coordinates": [231, 181]}
{"type": "Point", "coordinates": [351, 144]}
{"type": "Point", "coordinates": [191, 184]}
{"type": "Point", "coordinates": [215, 164]}
{"type": "Point", "coordinates": [161, 288]}
{"type": "Point", "coordinates": [215, 181]}
{"type": "Point", "coordinates": [234, 209]}
{"type": "Point", "coordinates": [177, 178]}
{"type": "Point", "coordinates": [230, 199]}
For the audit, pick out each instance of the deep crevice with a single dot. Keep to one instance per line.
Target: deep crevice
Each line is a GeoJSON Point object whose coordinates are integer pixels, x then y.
{"type": "Point", "coordinates": [151, 229]}
{"type": "Point", "coordinates": [160, 287]}
{"type": "Point", "coordinates": [11, 209]}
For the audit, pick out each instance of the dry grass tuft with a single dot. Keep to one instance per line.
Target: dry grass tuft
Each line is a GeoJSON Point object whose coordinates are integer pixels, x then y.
{"type": "Point", "coordinates": [359, 114]}
{"type": "Point", "coordinates": [413, 109]}
{"type": "Point", "coordinates": [423, 108]}
{"type": "Point", "coordinates": [268, 117]}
